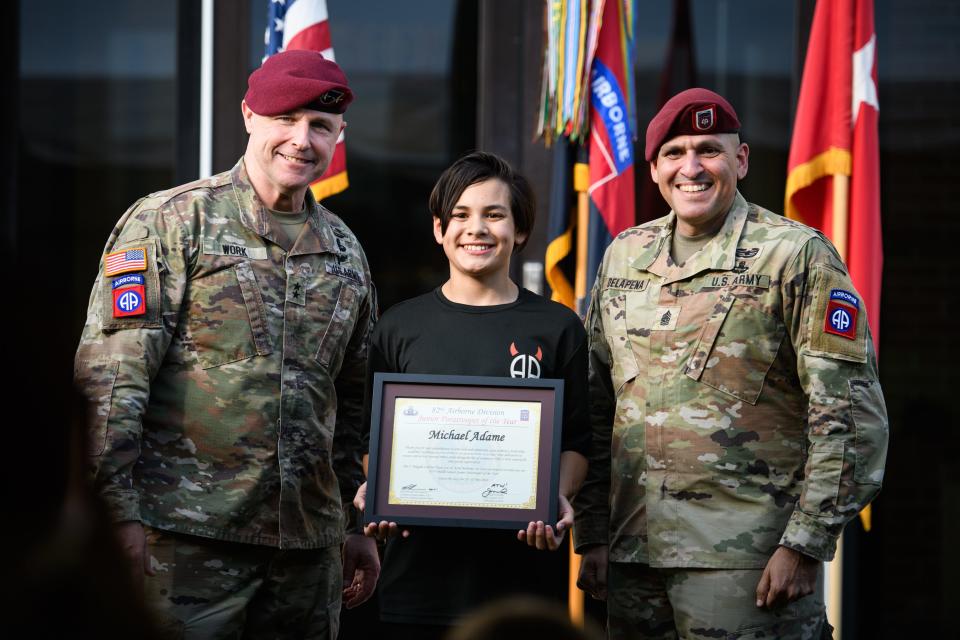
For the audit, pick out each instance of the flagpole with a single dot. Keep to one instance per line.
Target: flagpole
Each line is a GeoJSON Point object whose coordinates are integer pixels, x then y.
{"type": "Point", "coordinates": [841, 200]}
{"type": "Point", "coordinates": [581, 182]}
{"type": "Point", "coordinates": [575, 603]}
{"type": "Point", "coordinates": [841, 215]}
{"type": "Point", "coordinates": [206, 89]}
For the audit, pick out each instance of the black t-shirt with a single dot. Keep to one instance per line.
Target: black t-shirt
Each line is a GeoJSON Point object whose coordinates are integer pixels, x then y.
{"type": "Point", "coordinates": [439, 573]}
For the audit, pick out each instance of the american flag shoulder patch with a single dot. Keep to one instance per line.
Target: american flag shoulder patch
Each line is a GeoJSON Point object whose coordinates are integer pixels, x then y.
{"type": "Point", "coordinates": [125, 261]}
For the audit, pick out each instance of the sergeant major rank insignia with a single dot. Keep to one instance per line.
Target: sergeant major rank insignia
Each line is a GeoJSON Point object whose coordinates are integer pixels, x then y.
{"type": "Point", "coordinates": [129, 298]}
{"type": "Point", "coordinates": [842, 312]}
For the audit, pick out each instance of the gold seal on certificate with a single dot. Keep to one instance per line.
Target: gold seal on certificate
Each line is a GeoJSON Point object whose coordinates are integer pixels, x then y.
{"type": "Point", "coordinates": [464, 450]}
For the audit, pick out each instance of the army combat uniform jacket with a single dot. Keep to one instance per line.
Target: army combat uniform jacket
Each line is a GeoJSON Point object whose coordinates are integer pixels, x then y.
{"type": "Point", "coordinates": [228, 405]}
{"type": "Point", "coordinates": [735, 400]}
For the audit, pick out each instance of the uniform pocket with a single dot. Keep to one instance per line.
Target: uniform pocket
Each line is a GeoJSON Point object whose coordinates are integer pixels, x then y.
{"type": "Point", "coordinates": [736, 350]}
{"type": "Point", "coordinates": [226, 316]}
{"type": "Point", "coordinates": [870, 421]}
{"type": "Point", "coordinates": [822, 484]}
{"type": "Point", "coordinates": [337, 334]}
{"type": "Point", "coordinates": [96, 379]}
{"type": "Point", "coordinates": [627, 335]}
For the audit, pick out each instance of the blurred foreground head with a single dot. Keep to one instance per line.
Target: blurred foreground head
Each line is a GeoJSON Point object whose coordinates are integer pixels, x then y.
{"type": "Point", "coordinates": [522, 618]}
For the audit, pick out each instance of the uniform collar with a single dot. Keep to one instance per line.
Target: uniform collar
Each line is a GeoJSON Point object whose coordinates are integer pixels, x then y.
{"type": "Point", "coordinates": [717, 255]}
{"type": "Point", "coordinates": [318, 237]}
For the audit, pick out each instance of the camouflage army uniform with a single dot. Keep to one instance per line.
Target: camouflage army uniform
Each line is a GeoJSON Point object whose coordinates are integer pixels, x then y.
{"type": "Point", "coordinates": [726, 420]}
{"type": "Point", "coordinates": [230, 408]}
{"type": "Point", "coordinates": [202, 588]}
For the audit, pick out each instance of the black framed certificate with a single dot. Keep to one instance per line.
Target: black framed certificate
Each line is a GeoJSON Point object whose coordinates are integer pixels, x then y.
{"type": "Point", "coordinates": [464, 451]}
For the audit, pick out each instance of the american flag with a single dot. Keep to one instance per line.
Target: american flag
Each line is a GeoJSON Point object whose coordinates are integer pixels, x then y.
{"type": "Point", "coordinates": [302, 24]}
{"type": "Point", "coordinates": [124, 261]}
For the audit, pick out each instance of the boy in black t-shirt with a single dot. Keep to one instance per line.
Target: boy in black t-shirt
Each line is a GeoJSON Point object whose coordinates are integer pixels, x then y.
{"type": "Point", "coordinates": [480, 323]}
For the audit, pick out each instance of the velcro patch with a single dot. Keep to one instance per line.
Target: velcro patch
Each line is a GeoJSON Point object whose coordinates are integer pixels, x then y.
{"type": "Point", "coordinates": [845, 296]}
{"type": "Point", "coordinates": [125, 261]}
{"type": "Point", "coordinates": [741, 280]}
{"type": "Point", "coordinates": [132, 300]}
{"type": "Point", "coordinates": [841, 316]}
{"type": "Point", "coordinates": [129, 300]}
{"type": "Point", "coordinates": [837, 328]}
{"type": "Point", "coordinates": [127, 281]}
{"type": "Point", "coordinates": [624, 283]}
{"type": "Point", "coordinates": [213, 248]}
{"type": "Point", "coordinates": [337, 269]}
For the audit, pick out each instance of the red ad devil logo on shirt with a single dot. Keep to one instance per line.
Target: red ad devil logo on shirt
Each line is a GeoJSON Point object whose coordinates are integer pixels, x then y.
{"type": "Point", "coordinates": [524, 365]}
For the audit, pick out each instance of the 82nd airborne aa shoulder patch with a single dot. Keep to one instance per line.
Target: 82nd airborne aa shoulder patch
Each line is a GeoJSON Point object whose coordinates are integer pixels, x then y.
{"type": "Point", "coordinates": [841, 315]}
{"type": "Point", "coordinates": [129, 296]}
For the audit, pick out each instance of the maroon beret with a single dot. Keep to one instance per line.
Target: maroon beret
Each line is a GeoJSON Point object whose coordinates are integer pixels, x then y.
{"type": "Point", "coordinates": [692, 112]}
{"type": "Point", "coordinates": [297, 79]}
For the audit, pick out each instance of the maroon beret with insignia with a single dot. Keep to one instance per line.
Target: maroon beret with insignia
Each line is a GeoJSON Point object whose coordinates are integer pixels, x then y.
{"type": "Point", "coordinates": [297, 79]}
{"type": "Point", "coordinates": [692, 112]}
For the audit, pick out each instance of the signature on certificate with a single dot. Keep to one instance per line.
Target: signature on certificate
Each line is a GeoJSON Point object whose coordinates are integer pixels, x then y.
{"type": "Point", "coordinates": [410, 487]}
{"type": "Point", "coordinates": [496, 487]}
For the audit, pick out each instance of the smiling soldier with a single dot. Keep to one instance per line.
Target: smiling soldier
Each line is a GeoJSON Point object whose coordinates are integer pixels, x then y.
{"type": "Point", "coordinates": [224, 356]}
{"type": "Point", "coordinates": [737, 416]}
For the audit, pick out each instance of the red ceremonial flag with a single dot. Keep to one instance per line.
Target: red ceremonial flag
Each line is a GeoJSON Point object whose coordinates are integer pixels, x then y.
{"type": "Point", "coordinates": [302, 24]}
{"type": "Point", "coordinates": [835, 134]}
{"type": "Point", "coordinates": [611, 184]}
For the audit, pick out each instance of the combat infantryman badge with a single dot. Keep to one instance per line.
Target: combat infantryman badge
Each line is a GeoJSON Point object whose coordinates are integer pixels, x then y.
{"type": "Point", "coordinates": [129, 297]}
{"type": "Point", "coordinates": [842, 312]}
{"type": "Point", "coordinates": [704, 119]}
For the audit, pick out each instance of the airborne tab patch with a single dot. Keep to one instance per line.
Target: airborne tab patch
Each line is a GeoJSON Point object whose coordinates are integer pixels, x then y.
{"type": "Point", "coordinates": [845, 296]}
{"type": "Point", "coordinates": [128, 281]}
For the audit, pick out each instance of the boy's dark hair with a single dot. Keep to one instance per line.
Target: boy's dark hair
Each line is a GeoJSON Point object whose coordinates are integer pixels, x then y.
{"type": "Point", "coordinates": [477, 167]}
